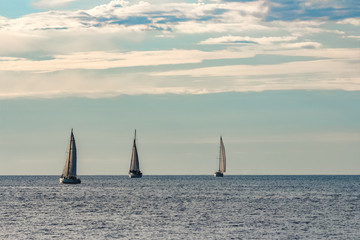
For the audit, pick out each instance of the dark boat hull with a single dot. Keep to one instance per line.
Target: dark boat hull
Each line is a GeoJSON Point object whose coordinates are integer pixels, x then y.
{"type": "Point", "coordinates": [135, 175]}
{"type": "Point", "coordinates": [218, 174]}
{"type": "Point", "coordinates": [70, 180]}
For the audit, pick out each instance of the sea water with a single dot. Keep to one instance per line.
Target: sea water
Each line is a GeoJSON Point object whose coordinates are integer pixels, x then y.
{"type": "Point", "coordinates": [181, 207]}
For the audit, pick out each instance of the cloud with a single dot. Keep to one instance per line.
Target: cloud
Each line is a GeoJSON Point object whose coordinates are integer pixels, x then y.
{"type": "Point", "coordinates": [107, 60]}
{"type": "Point", "coordinates": [246, 39]}
{"type": "Point", "coordinates": [307, 9]}
{"type": "Point", "coordinates": [343, 54]}
{"type": "Point", "coordinates": [46, 4]}
{"type": "Point", "coordinates": [86, 84]}
{"type": "Point", "coordinates": [280, 41]}
{"type": "Point", "coordinates": [304, 67]}
{"type": "Point", "coordinates": [189, 18]}
{"type": "Point", "coordinates": [122, 16]}
{"type": "Point", "coordinates": [354, 37]}
{"type": "Point", "coordinates": [320, 74]}
{"type": "Point", "coordinates": [353, 21]}
{"type": "Point", "coordinates": [125, 47]}
{"type": "Point", "coordinates": [81, 74]}
{"type": "Point", "coordinates": [309, 45]}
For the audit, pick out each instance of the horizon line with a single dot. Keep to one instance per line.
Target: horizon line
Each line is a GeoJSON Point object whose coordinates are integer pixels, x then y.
{"type": "Point", "coordinates": [126, 175]}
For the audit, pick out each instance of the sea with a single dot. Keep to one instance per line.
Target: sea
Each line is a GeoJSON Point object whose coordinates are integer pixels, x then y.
{"type": "Point", "coordinates": [181, 207]}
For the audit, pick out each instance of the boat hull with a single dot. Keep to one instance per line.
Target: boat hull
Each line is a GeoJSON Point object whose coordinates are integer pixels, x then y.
{"type": "Point", "coordinates": [133, 175]}
{"type": "Point", "coordinates": [218, 174]}
{"type": "Point", "coordinates": [70, 181]}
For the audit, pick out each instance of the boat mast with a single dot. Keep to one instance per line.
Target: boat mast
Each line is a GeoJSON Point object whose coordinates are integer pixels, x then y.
{"type": "Point", "coordinates": [220, 155]}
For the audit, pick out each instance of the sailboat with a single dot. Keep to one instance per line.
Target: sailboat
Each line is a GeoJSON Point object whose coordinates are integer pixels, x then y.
{"type": "Point", "coordinates": [134, 171]}
{"type": "Point", "coordinates": [69, 174]}
{"type": "Point", "coordinates": [222, 160]}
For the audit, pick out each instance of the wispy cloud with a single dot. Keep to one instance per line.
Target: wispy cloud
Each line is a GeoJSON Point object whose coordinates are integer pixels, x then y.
{"type": "Point", "coordinates": [353, 21]}
{"type": "Point", "coordinates": [45, 4]}
{"type": "Point", "coordinates": [121, 15]}
{"type": "Point", "coordinates": [246, 39]}
{"type": "Point", "coordinates": [180, 47]}
{"type": "Point", "coordinates": [106, 60]}
{"type": "Point", "coordinates": [308, 9]}
{"type": "Point", "coordinates": [328, 67]}
{"type": "Point", "coordinates": [320, 74]}
{"type": "Point", "coordinates": [355, 37]}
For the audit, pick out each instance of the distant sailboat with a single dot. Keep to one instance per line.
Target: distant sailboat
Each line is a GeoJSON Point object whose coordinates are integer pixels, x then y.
{"type": "Point", "coordinates": [134, 171]}
{"type": "Point", "coordinates": [222, 160]}
{"type": "Point", "coordinates": [69, 174]}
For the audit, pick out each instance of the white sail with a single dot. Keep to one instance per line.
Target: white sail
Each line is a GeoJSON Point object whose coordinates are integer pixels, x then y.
{"type": "Point", "coordinates": [134, 165]}
{"type": "Point", "coordinates": [70, 165]}
{"type": "Point", "coordinates": [222, 157]}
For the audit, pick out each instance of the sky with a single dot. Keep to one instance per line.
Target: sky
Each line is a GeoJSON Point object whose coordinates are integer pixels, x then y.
{"type": "Point", "coordinates": [279, 80]}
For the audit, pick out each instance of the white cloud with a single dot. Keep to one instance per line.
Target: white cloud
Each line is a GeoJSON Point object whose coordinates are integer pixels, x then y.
{"type": "Point", "coordinates": [193, 27]}
{"type": "Point", "coordinates": [320, 74]}
{"type": "Point", "coordinates": [121, 16]}
{"type": "Point", "coordinates": [304, 67]}
{"type": "Point", "coordinates": [353, 21]}
{"type": "Point", "coordinates": [338, 71]}
{"type": "Point", "coordinates": [309, 45]}
{"type": "Point", "coordinates": [85, 84]}
{"type": "Point", "coordinates": [354, 37]}
{"type": "Point", "coordinates": [51, 3]}
{"type": "Point", "coordinates": [344, 54]}
{"type": "Point", "coordinates": [243, 39]}
{"type": "Point", "coordinates": [74, 52]}
{"type": "Point", "coordinates": [321, 4]}
{"type": "Point", "coordinates": [106, 60]}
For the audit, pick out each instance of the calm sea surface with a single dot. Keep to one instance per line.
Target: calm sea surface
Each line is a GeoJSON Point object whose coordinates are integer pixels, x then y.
{"type": "Point", "coordinates": [181, 207]}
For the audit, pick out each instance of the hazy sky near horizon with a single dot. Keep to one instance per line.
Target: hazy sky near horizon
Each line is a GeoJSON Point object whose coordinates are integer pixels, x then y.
{"type": "Point", "coordinates": [280, 80]}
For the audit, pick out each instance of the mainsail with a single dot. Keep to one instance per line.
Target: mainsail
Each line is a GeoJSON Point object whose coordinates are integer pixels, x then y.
{"type": "Point", "coordinates": [70, 165]}
{"type": "Point", "coordinates": [222, 157]}
{"type": "Point", "coordinates": [134, 165]}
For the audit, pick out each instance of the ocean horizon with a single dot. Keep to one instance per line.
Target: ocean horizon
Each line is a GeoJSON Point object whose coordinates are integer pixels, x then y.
{"type": "Point", "coordinates": [149, 175]}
